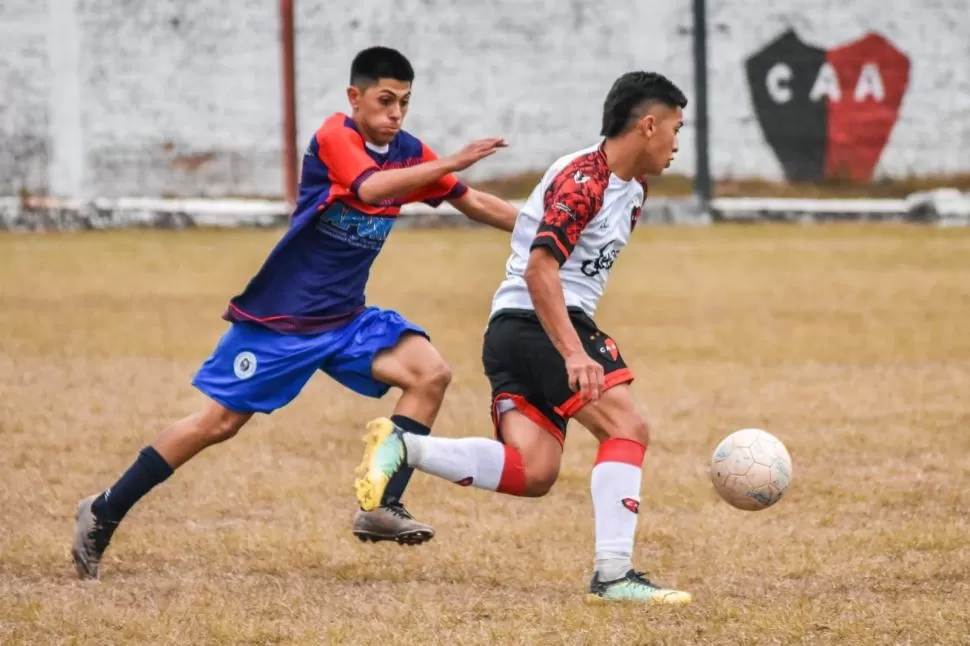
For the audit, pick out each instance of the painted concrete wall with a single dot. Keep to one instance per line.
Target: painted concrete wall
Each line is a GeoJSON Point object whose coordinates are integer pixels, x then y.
{"type": "Point", "coordinates": [181, 98]}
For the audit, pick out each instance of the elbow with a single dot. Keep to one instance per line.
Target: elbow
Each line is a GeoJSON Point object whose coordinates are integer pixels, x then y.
{"type": "Point", "coordinates": [533, 275]}
{"type": "Point", "coordinates": [367, 195]}
{"type": "Point", "coordinates": [369, 191]}
{"type": "Point", "coordinates": [541, 272]}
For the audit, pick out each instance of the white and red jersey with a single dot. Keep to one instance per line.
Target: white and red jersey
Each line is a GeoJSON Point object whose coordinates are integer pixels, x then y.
{"type": "Point", "coordinates": [584, 215]}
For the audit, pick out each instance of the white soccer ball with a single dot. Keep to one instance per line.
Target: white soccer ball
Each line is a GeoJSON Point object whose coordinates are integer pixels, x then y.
{"type": "Point", "coordinates": [751, 469]}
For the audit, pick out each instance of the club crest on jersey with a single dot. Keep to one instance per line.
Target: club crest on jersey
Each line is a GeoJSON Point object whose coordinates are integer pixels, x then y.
{"type": "Point", "coordinates": [632, 504]}
{"type": "Point", "coordinates": [608, 348]}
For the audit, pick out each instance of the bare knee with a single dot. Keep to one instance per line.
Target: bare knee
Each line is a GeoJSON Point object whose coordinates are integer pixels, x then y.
{"type": "Point", "coordinates": [625, 427]}
{"type": "Point", "coordinates": [540, 451]}
{"type": "Point", "coordinates": [615, 415]}
{"type": "Point", "coordinates": [432, 379]}
{"type": "Point", "coordinates": [218, 424]}
{"type": "Point", "coordinates": [638, 430]}
{"type": "Point", "coordinates": [539, 478]}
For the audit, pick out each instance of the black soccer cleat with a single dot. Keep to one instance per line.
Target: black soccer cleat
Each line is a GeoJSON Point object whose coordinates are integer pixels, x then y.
{"type": "Point", "coordinates": [91, 539]}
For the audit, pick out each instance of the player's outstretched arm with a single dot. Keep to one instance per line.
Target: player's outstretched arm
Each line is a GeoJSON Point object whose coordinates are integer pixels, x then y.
{"type": "Point", "coordinates": [487, 209]}
{"type": "Point", "coordinates": [385, 184]}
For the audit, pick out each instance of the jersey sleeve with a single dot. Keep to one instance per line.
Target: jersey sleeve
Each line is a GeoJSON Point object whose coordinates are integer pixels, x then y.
{"type": "Point", "coordinates": [446, 188]}
{"type": "Point", "coordinates": [341, 149]}
{"type": "Point", "coordinates": [570, 202]}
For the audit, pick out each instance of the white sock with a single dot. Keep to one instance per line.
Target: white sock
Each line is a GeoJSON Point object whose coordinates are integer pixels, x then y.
{"type": "Point", "coordinates": [615, 485]}
{"type": "Point", "coordinates": [469, 461]}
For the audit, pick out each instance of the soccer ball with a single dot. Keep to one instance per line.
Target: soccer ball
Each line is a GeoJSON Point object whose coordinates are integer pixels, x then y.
{"type": "Point", "coordinates": [751, 469]}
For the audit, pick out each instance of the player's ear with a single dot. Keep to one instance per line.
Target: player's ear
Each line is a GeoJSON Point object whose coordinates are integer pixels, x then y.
{"type": "Point", "coordinates": [648, 125]}
{"type": "Point", "coordinates": [353, 96]}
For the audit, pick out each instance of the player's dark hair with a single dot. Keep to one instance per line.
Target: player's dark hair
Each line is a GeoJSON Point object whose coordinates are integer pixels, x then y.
{"type": "Point", "coordinates": [633, 93]}
{"type": "Point", "coordinates": [375, 63]}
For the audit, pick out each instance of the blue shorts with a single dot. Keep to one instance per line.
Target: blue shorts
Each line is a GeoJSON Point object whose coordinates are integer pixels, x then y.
{"type": "Point", "coordinates": [257, 370]}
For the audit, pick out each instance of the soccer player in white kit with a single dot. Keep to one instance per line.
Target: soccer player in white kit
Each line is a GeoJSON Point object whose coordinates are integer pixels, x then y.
{"type": "Point", "coordinates": [545, 357]}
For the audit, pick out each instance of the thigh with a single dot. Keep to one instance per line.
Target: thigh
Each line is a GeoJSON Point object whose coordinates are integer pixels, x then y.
{"type": "Point", "coordinates": [257, 370]}
{"type": "Point", "coordinates": [376, 350]}
{"type": "Point", "coordinates": [517, 357]}
{"type": "Point", "coordinates": [539, 448]}
{"type": "Point", "coordinates": [523, 365]}
{"type": "Point", "coordinates": [408, 361]}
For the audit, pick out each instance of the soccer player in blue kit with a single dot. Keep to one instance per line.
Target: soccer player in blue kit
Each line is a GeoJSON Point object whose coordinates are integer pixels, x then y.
{"type": "Point", "coordinates": [305, 311]}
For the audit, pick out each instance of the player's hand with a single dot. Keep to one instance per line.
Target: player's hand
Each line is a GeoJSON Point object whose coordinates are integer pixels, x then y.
{"type": "Point", "coordinates": [475, 151]}
{"type": "Point", "coordinates": [585, 375]}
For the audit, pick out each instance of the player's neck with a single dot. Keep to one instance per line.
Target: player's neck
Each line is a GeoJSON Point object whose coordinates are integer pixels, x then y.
{"type": "Point", "coordinates": [367, 136]}
{"type": "Point", "coordinates": [620, 159]}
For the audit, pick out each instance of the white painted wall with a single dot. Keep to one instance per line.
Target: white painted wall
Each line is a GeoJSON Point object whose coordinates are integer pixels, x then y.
{"type": "Point", "coordinates": [181, 97]}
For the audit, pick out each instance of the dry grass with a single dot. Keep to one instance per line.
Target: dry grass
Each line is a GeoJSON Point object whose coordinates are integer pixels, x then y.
{"type": "Point", "coordinates": [850, 343]}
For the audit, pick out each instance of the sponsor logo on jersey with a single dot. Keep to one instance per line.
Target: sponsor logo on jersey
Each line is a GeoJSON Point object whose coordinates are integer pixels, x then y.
{"type": "Point", "coordinates": [603, 262]}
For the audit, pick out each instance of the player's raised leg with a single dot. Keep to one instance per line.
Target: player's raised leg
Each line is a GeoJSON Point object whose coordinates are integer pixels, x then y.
{"type": "Point", "coordinates": [615, 484]}
{"type": "Point", "coordinates": [526, 460]}
{"type": "Point", "coordinates": [411, 363]}
{"type": "Point", "coordinates": [525, 463]}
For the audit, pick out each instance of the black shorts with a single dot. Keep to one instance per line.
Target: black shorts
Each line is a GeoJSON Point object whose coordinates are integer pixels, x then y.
{"type": "Point", "coordinates": [524, 367]}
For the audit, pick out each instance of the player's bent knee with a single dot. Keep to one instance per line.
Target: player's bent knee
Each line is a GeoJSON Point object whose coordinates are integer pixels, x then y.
{"type": "Point", "coordinates": [220, 424]}
{"type": "Point", "coordinates": [539, 480]}
{"type": "Point", "coordinates": [440, 376]}
{"type": "Point", "coordinates": [615, 416]}
{"type": "Point", "coordinates": [639, 430]}
{"type": "Point", "coordinates": [433, 379]}
{"type": "Point", "coordinates": [538, 488]}
{"type": "Point", "coordinates": [633, 427]}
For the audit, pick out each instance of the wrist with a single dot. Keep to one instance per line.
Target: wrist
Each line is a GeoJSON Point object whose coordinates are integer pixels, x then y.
{"type": "Point", "coordinates": [568, 349]}
{"type": "Point", "coordinates": [448, 165]}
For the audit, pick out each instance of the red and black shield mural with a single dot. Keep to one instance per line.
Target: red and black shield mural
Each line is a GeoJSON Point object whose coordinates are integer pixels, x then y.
{"type": "Point", "coordinates": [828, 114]}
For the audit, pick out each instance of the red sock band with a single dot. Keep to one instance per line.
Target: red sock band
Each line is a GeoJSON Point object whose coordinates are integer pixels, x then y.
{"type": "Point", "coordinates": [616, 449]}
{"type": "Point", "coordinates": [512, 481]}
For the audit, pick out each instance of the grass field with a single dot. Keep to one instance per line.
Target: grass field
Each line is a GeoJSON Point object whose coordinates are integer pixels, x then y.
{"type": "Point", "coordinates": [852, 344]}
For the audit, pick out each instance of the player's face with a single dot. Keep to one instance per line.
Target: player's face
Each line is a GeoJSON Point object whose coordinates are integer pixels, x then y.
{"type": "Point", "coordinates": [380, 108]}
{"type": "Point", "coordinates": [660, 128]}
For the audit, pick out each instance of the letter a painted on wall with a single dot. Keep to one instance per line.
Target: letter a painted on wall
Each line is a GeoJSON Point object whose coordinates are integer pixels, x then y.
{"type": "Point", "coordinates": [828, 114]}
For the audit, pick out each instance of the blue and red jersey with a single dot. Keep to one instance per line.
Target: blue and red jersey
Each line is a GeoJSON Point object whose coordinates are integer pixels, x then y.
{"type": "Point", "coordinates": [314, 278]}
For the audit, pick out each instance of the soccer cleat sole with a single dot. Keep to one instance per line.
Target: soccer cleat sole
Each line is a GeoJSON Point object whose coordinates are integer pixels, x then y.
{"type": "Point", "coordinates": [410, 538]}
{"type": "Point", "coordinates": [672, 598]}
{"type": "Point", "coordinates": [369, 487]}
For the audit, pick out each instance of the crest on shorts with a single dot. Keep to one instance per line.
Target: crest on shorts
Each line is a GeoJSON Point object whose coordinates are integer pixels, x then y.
{"type": "Point", "coordinates": [608, 348]}
{"type": "Point", "coordinates": [632, 504]}
{"type": "Point", "coordinates": [244, 366]}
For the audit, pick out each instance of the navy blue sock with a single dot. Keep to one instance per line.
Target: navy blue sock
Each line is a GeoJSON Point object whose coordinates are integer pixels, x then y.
{"type": "Point", "coordinates": [397, 485]}
{"type": "Point", "coordinates": [148, 470]}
